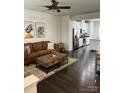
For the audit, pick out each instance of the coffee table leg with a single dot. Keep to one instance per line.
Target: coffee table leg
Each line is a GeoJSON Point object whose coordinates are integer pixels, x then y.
{"type": "Point", "coordinates": [67, 60]}
{"type": "Point", "coordinates": [36, 65]}
{"type": "Point", "coordinates": [46, 70]}
{"type": "Point", "coordinates": [58, 65]}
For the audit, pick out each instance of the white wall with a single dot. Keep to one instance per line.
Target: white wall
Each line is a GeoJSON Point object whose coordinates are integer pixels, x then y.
{"type": "Point", "coordinates": [70, 35]}
{"type": "Point", "coordinates": [91, 29]}
{"type": "Point", "coordinates": [65, 31]}
{"type": "Point", "coordinates": [86, 16]}
{"type": "Point", "coordinates": [94, 29]}
{"type": "Point", "coordinates": [84, 26]}
{"type": "Point", "coordinates": [52, 25]}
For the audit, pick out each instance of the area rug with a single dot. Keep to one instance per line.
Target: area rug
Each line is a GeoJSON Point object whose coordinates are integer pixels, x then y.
{"type": "Point", "coordinates": [31, 69]}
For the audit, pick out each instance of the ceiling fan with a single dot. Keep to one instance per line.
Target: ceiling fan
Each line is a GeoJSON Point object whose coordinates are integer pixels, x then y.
{"type": "Point", "coordinates": [55, 6]}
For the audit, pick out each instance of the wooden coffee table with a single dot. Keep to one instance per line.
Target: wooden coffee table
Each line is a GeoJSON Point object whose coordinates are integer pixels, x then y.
{"type": "Point", "coordinates": [51, 61]}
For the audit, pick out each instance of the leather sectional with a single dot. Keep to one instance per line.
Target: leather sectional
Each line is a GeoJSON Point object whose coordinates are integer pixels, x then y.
{"type": "Point", "coordinates": [36, 49]}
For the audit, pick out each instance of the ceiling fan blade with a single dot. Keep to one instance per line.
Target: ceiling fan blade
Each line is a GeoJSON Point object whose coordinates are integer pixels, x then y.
{"type": "Point", "coordinates": [54, 1]}
{"type": "Point", "coordinates": [49, 7]}
{"type": "Point", "coordinates": [46, 6]}
{"type": "Point", "coordinates": [64, 7]}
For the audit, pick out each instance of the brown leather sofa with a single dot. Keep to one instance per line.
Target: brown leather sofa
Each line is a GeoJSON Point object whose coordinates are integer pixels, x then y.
{"type": "Point", "coordinates": [36, 49]}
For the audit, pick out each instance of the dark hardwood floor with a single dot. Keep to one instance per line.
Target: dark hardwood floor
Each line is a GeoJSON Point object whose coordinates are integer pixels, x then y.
{"type": "Point", "coordinates": [77, 78]}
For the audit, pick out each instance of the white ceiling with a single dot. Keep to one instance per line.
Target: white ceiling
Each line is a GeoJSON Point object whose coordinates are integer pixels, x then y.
{"type": "Point", "coordinates": [77, 6]}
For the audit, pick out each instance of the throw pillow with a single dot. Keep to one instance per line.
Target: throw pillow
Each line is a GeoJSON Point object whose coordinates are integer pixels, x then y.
{"type": "Point", "coordinates": [50, 46]}
{"type": "Point", "coordinates": [27, 49]}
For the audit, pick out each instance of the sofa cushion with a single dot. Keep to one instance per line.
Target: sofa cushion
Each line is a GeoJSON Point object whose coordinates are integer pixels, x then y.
{"type": "Point", "coordinates": [39, 53]}
{"type": "Point", "coordinates": [33, 55]}
{"type": "Point", "coordinates": [44, 52]}
{"type": "Point", "coordinates": [36, 46]}
{"type": "Point", "coordinates": [44, 45]}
